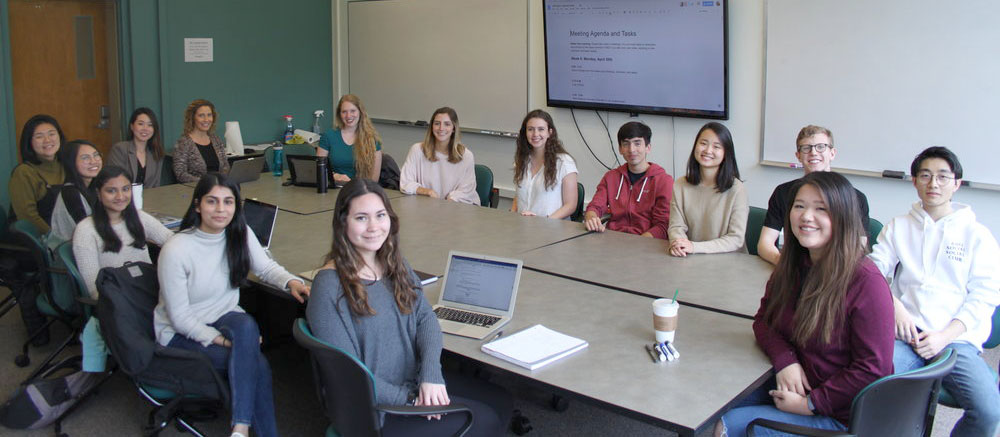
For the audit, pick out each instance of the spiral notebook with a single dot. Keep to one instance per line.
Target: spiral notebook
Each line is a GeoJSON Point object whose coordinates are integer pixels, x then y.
{"type": "Point", "coordinates": [534, 347]}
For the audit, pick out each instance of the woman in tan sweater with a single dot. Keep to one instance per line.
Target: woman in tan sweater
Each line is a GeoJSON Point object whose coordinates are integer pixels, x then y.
{"type": "Point", "coordinates": [708, 210]}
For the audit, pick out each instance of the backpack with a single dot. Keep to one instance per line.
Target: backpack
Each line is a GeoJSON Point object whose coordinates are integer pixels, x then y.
{"type": "Point", "coordinates": [41, 401]}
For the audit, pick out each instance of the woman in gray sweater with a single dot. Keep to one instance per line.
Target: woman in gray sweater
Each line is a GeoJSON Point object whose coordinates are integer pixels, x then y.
{"type": "Point", "coordinates": [368, 302]}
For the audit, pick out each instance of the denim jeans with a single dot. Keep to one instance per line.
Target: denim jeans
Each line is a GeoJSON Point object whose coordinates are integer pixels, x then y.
{"type": "Point", "coordinates": [248, 370]}
{"type": "Point", "coordinates": [759, 404]}
{"type": "Point", "coordinates": [971, 384]}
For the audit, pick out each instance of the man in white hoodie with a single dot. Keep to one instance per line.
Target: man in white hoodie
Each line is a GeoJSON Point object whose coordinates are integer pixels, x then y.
{"type": "Point", "coordinates": [945, 288]}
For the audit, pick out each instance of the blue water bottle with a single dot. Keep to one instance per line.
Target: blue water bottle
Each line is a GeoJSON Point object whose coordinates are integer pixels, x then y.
{"type": "Point", "coordinates": [277, 164]}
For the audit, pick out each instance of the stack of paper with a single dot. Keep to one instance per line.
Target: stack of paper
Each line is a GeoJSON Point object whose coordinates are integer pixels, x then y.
{"type": "Point", "coordinates": [534, 347]}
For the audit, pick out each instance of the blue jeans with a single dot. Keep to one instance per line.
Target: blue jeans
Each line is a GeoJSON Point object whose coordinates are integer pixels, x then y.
{"type": "Point", "coordinates": [760, 405]}
{"type": "Point", "coordinates": [248, 370]}
{"type": "Point", "coordinates": [971, 384]}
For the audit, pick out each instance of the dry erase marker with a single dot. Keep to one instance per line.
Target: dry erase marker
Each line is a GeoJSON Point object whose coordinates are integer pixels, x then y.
{"type": "Point", "coordinates": [673, 350]}
{"type": "Point", "coordinates": [651, 353]}
{"type": "Point", "coordinates": [663, 356]}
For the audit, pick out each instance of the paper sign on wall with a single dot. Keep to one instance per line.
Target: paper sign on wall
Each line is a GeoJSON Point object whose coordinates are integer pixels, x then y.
{"type": "Point", "coordinates": [198, 50]}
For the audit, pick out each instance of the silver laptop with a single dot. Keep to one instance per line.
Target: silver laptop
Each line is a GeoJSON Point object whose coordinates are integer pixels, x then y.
{"type": "Point", "coordinates": [477, 294]}
{"type": "Point", "coordinates": [246, 170]}
{"type": "Point", "coordinates": [261, 217]}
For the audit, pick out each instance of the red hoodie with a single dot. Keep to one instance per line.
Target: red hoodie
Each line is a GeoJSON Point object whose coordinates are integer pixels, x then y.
{"type": "Point", "coordinates": [642, 207]}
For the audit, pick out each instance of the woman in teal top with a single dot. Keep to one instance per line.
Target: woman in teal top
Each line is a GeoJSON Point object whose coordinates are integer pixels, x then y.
{"type": "Point", "coordinates": [354, 147]}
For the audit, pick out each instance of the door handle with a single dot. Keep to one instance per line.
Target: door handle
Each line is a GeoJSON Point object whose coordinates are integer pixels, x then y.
{"type": "Point", "coordinates": [104, 112]}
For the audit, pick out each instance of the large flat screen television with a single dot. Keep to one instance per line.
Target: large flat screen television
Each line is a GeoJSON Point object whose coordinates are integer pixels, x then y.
{"type": "Point", "coordinates": [666, 57]}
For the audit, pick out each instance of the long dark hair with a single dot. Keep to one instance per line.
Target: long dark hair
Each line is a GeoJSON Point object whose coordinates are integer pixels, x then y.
{"type": "Point", "coordinates": [237, 251]}
{"type": "Point", "coordinates": [348, 261]}
{"type": "Point", "coordinates": [102, 223]}
{"type": "Point", "coordinates": [818, 295]}
{"type": "Point", "coordinates": [154, 145]}
{"type": "Point", "coordinates": [553, 147]}
{"type": "Point", "coordinates": [27, 152]}
{"type": "Point", "coordinates": [728, 170]}
{"type": "Point", "coordinates": [67, 157]}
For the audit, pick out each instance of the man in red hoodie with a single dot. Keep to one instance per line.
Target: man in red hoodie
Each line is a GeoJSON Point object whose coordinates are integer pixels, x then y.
{"type": "Point", "coordinates": [637, 194]}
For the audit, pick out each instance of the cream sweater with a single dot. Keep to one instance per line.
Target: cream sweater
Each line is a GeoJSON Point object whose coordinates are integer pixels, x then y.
{"type": "Point", "coordinates": [714, 222]}
{"type": "Point", "coordinates": [88, 247]}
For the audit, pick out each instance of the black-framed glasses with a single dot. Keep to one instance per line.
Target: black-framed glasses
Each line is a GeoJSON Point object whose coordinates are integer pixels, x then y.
{"type": "Point", "coordinates": [927, 177]}
{"type": "Point", "coordinates": [818, 147]}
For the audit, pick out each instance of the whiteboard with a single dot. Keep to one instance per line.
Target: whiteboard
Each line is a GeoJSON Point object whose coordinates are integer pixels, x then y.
{"type": "Point", "coordinates": [888, 77]}
{"type": "Point", "coordinates": [407, 58]}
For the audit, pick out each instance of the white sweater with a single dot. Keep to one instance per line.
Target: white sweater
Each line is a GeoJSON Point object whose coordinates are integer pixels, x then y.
{"type": "Point", "coordinates": [88, 247]}
{"type": "Point", "coordinates": [452, 181]}
{"type": "Point", "coordinates": [950, 269]}
{"type": "Point", "coordinates": [194, 284]}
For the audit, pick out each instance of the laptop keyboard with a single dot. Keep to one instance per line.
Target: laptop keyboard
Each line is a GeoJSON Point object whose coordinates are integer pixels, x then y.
{"type": "Point", "coordinates": [466, 317]}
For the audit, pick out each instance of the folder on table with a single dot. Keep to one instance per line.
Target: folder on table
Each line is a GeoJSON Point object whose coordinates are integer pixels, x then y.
{"type": "Point", "coordinates": [534, 347]}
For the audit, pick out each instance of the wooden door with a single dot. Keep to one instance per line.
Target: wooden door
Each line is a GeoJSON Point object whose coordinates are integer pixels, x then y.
{"type": "Point", "coordinates": [59, 61]}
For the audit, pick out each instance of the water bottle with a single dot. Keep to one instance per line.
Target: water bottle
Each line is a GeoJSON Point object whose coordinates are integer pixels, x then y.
{"type": "Point", "coordinates": [289, 129]}
{"type": "Point", "coordinates": [277, 164]}
{"type": "Point", "coordinates": [317, 114]}
{"type": "Point", "coordinates": [321, 181]}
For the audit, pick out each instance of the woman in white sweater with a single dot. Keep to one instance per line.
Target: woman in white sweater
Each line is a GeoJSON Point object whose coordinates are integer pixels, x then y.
{"type": "Point", "coordinates": [441, 166]}
{"type": "Point", "coordinates": [200, 271]}
{"type": "Point", "coordinates": [115, 234]}
{"type": "Point", "coordinates": [708, 209]}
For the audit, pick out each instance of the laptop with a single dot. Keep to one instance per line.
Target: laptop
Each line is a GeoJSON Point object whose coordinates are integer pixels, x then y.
{"type": "Point", "coordinates": [245, 170]}
{"type": "Point", "coordinates": [261, 217]}
{"type": "Point", "coordinates": [477, 294]}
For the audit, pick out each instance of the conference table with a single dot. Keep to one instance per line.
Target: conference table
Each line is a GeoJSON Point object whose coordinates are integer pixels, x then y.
{"type": "Point", "coordinates": [597, 287]}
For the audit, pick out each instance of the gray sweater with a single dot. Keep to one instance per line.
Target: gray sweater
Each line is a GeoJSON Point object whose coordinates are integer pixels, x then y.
{"type": "Point", "coordinates": [401, 350]}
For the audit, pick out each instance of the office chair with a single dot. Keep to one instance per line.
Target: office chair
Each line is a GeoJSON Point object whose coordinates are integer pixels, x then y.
{"type": "Point", "coordinates": [56, 300]}
{"type": "Point", "coordinates": [12, 276]}
{"type": "Point", "coordinates": [896, 405]}
{"type": "Point", "coordinates": [181, 384]}
{"type": "Point", "coordinates": [993, 341]}
{"type": "Point", "coordinates": [167, 176]}
{"type": "Point", "coordinates": [577, 215]}
{"type": "Point", "coordinates": [755, 223]}
{"type": "Point", "coordinates": [346, 388]}
{"type": "Point", "coordinates": [488, 196]}
{"type": "Point", "coordinates": [874, 228]}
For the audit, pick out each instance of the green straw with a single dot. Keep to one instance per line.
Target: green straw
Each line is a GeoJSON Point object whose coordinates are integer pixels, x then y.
{"type": "Point", "coordinates": [675, 295]}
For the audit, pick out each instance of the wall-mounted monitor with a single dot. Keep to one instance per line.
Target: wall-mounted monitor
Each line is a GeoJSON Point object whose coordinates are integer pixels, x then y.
{"type": "Point", "coordinates": [666, 57]}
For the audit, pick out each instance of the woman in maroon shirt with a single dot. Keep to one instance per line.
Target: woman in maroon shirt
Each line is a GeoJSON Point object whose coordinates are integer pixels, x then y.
{"type": "Point", "coordinates": [826, 318]}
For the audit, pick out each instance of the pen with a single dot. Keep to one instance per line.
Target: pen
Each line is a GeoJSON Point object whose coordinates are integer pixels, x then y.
{"type": "Point", "coordinates": [673, 350]}
{"type": "Point", "coordinates": [651, 353]}
{"type": "Point", "coordinates": [663, 357]}
{"type": "Point", "coordinates": [499, 333]}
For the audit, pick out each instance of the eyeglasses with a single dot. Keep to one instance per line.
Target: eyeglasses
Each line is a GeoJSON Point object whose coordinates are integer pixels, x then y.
{"type": "Point", "coordinates": [943, 179]}
{"type": "Point", "coordinates": [96, 156]}
{"type": "Point", "coordinates": [818, 147]}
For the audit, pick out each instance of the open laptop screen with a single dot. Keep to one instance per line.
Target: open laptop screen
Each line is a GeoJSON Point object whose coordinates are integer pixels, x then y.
{"type": "Point", "coordinates": [485, 283]}
{"type": "Point", "coordinates": [260, 217]}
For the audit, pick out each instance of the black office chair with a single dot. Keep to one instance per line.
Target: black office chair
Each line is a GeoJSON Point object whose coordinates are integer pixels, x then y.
{"type": "Point", "coordinates": [755, 223]}
{"type": "Point", "coordinates": [896, 405]}
{"type": "Point", "coordinates": [346, 389]}
{"type": "Point", "coordinates": [167, 176]}
{"type": "Point", "coordinates": [577, 215]}
{"type": "Point", "coordinates": [181, 384]}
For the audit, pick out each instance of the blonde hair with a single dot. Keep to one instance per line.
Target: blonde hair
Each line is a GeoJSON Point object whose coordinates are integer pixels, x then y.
{"type": "Point", "coordinates": [192, 108]}
{"type": "Point", "coordinates": [455, 148]}
{"type": "Point", "coordinates": [366, 136]}
{"type": "Point", "coordinates": [811, 130]}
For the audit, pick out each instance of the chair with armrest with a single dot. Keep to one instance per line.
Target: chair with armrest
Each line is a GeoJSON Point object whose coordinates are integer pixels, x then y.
{"type": "Point", "coordinates": [56, 299]}
{"type": "Point", "coordinates": [991, 342]}
{"type": "Point", "coordinates": [13, 276]}
{"type": "Point", "coordinates": [488, 196]}
{"type": "Point", "coordinates": [181, 384]}
{"type": "Point", "coordinates": [755, 223]}
{"type": "Point", "coordinates": [896, 405]}
{"type": "Point", "coordinates": [167, 176]}
{"type": "Point", "coordinates": [874, 228]}
{"type": "Point", "coordinates": [577, 215]}
{"type": "Point", "coordinates": [346, 389]}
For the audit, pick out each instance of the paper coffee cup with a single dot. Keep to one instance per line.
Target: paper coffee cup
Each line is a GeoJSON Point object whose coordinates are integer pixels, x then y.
{"type": "Point", "coordinates": [665, 319]}
{"type": "Point", "coordinates": [137, 195]}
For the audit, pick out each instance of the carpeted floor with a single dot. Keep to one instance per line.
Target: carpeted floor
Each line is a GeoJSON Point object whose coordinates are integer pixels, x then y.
{"type": "Point", "coordinates": [117, 410]}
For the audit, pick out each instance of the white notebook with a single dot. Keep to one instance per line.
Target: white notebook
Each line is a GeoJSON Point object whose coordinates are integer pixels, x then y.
{"type": "Point", "coordinates": [534, 347]}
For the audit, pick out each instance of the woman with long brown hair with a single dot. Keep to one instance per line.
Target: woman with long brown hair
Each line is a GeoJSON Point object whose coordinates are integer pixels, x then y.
{"type": "Point", "coordinates": [199, 150]}
{"type": "Point", "coordinates": [441, 166]}
{"type": "Point", "coordinates": [544, 173]}
{"type": "Point", "coordinates": [354, 147]}
{"type": "Point", "coordinates": [826, 318]}
{"type": "Point", "coordinates": [368, 302]}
